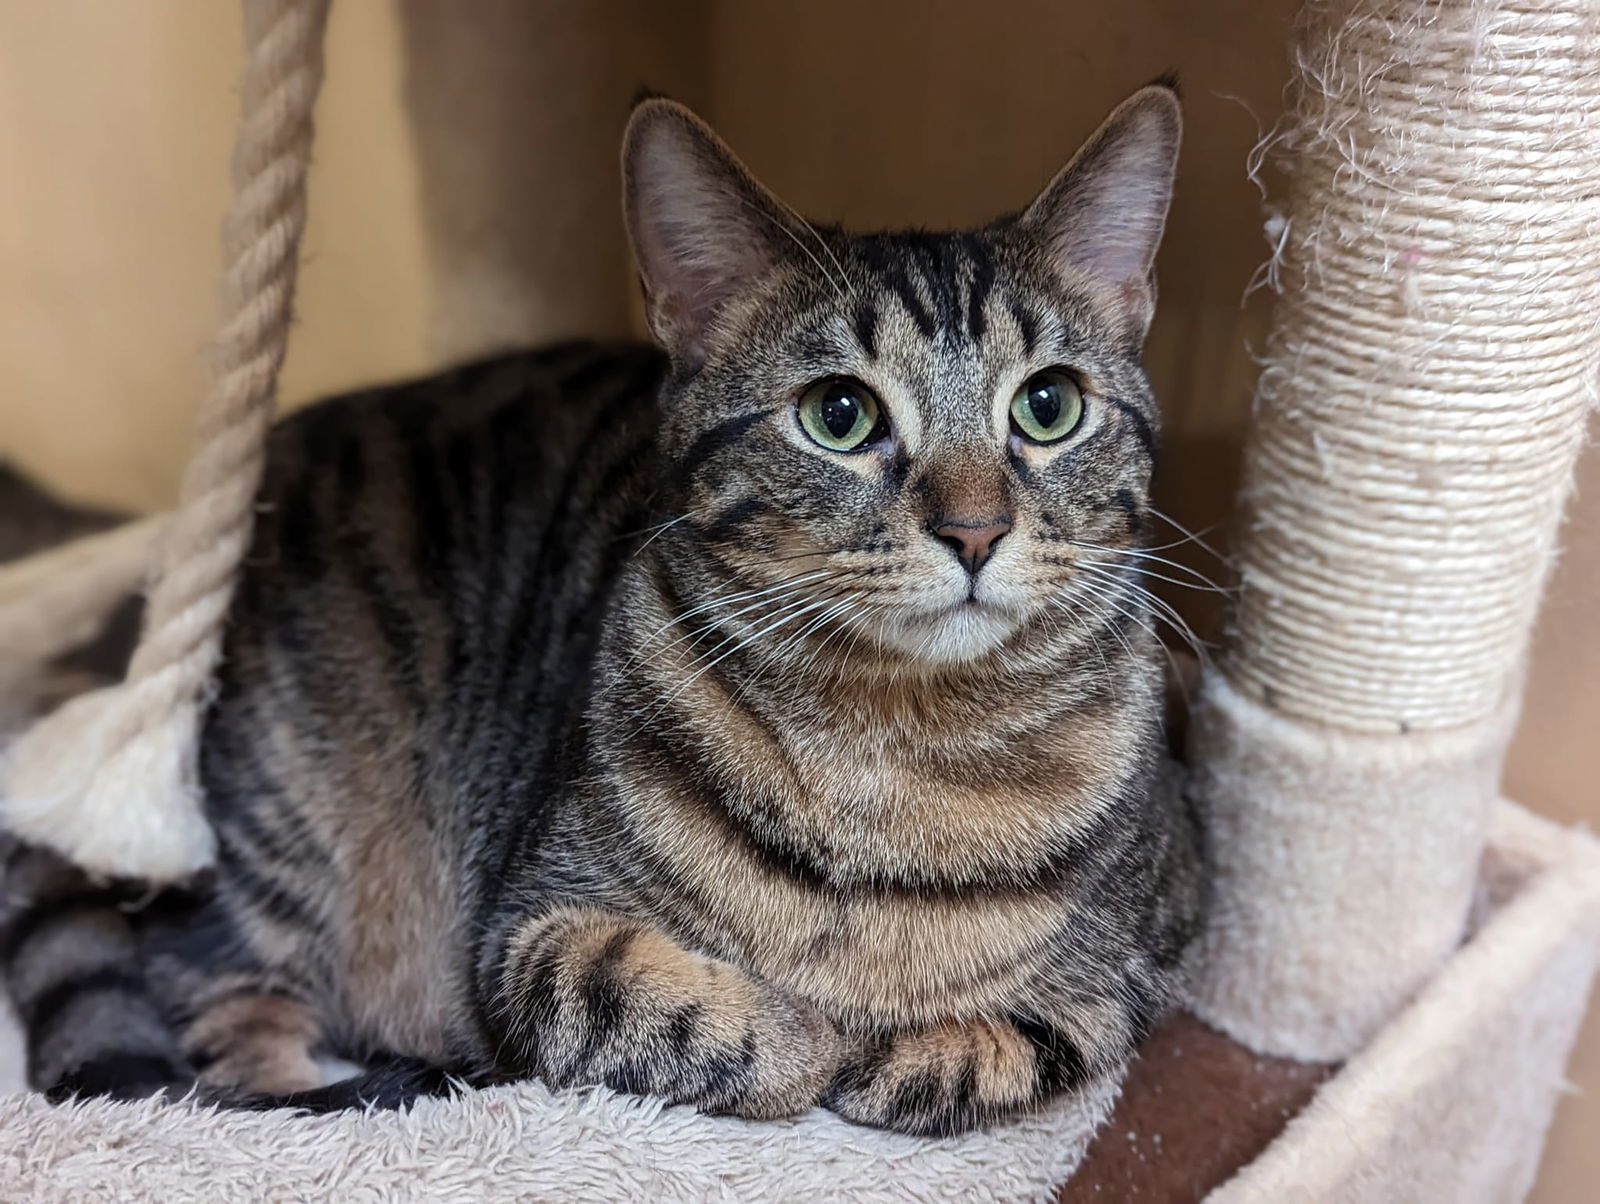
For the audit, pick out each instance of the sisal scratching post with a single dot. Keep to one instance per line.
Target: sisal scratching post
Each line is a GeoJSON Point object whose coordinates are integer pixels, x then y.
{"type": "Point", "coordinates": [110, 779]}
{"type": "Point", "coordinates": [1424, 398]}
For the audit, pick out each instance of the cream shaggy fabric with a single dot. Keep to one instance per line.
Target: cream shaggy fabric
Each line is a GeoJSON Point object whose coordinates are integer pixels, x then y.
{"type": "Point", "coordinates": [1452, 1099]}
{"type": "Point", "coordinates": [521, 1143]}
{"type": "Point", "coordinates": [1342, 864]}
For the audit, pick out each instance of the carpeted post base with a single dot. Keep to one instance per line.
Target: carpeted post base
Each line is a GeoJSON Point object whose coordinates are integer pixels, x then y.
{"type": "Point", "coordinates": [1451, 1100]}
{"type": "Point", "coordinates": [1316, 936]}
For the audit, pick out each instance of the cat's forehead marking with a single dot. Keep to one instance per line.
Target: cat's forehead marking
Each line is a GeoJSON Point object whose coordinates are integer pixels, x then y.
{"type": "Point", "coordinates": [940, 282]}
{"type": "Point", "coordinates": [938, 325]}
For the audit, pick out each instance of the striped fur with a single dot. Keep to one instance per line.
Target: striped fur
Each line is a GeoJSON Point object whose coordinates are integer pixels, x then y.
{"type": "Point", "coordinates": [582, 718]}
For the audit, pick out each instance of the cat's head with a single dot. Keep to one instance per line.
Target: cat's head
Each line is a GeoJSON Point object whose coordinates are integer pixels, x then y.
{"type": "Point", "coordinates": [937, 441]}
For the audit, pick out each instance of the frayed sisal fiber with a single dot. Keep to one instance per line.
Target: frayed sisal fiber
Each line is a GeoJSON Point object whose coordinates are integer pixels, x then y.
{"type": "Point", "coordinates": [58, 600]}
{"type": "Point", "coordinates": [1432, 362]}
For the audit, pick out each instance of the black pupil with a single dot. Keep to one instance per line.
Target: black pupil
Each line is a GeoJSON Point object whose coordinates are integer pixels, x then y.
{"type": "Point", "coordinates": [840, 410]}
{"type": "Point", "coordinates": [1044, 399]}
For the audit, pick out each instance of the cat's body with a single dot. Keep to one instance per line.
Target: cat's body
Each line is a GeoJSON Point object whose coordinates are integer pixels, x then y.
{"type": "Point", "coordinates": [596, 714]}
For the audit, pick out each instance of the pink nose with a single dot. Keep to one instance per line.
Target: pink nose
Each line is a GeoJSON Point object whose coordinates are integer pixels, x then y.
{"type": "Point", "coordinates": [972, 542]}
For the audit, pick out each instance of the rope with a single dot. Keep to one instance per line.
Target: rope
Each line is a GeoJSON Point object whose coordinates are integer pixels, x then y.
{"type": "Point", "coordinates": [56, 600]}
{"type": "Point", "coordinates": [134, 807]}
{"type": "Point", "coordinates": [1433, 359]}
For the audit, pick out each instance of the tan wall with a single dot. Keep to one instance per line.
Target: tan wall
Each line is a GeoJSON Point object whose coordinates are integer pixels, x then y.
{"type": "Point", "coordinates": [496, 223]}
{"type": "Point", "coordinates": [115, 123]}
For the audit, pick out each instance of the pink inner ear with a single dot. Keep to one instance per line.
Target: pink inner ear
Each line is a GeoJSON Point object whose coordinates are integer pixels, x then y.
{"type": "Point", "coordinates": [1104, 213]}
{"type": "Point", "coordinates": [1116, 219]}
{"type": "Point", "coordinates": [702, 228]}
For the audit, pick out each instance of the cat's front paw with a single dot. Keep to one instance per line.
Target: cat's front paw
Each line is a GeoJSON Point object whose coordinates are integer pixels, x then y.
{"type": "Point", "coordinates": [598, 999]}
{"type": "Point", "coordinates": [937, 1081]}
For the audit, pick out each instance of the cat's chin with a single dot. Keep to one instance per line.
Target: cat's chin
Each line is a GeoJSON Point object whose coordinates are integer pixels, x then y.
{"type": "Point", "coordinates": [955, 635]}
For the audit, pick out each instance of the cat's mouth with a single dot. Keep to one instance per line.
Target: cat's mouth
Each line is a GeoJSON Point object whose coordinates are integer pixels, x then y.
{"type": "Point", "coordinates": [962, 630]}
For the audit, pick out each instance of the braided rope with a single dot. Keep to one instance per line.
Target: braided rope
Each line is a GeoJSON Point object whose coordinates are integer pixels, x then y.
{"type": "Point", "coordinates": [210, 530]}
{"type": "Point", "coordinates": [110, 780]}
{"type": "Point", "coordinates": [54, 601]}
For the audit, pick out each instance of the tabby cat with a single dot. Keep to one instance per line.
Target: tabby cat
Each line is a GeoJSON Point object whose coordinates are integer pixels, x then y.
{"type": "Point", "coordinates": [764, 721]}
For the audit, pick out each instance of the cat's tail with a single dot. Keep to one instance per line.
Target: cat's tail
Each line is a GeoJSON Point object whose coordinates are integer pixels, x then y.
{"type": "Point", "coordinates": [395, 1083]}
{"type": "Point", "coordinates": [70, 959]}
{"type": "Point", "coordinates": [73, 968]}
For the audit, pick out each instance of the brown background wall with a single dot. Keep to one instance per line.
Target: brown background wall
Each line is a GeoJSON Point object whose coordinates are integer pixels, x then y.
{"type": "Point", "coordinates": [464, 197]}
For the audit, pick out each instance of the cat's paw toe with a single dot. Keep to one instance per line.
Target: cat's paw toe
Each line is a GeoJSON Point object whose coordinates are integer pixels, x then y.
{"type": "Point", "coordinates": [798, 1054]}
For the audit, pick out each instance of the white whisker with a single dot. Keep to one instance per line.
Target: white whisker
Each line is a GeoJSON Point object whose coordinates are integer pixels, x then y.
{"type": "Point", "coordinates": [805, 608]}
{"type": "Point", "coordinates": [839, 283]}
{"type": "Point", "coordinates": [1114, 604]}
{"type": "Point", "coordinates": [656, 532]}
{"type": "Point", "coordinates": [1160, 608]}
{"type": "Point", "coordinates": [1206, 588]}
{"type": "Point", "coordinates": [729, 599]}
{"type": "Point", "coordinates": [1146, 554]}
{"type": "Point", "coordinates": [1188, 535]}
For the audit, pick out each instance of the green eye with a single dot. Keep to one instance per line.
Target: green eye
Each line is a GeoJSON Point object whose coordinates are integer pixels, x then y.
{"type": "Point", "coordinates": [841, 414]}
{"type": "Point", "coordinates": [1048, 407]}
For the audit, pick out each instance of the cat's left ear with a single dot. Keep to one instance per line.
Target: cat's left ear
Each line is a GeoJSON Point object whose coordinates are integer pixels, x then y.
{"type": "Point", "coordinates": [1101, 217]}
{"type": "Point", "coordinates": [703, 230]}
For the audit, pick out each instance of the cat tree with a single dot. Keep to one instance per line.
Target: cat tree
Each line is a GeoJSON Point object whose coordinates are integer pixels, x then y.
{"type": "Point", "coordinates": [1432, 364]}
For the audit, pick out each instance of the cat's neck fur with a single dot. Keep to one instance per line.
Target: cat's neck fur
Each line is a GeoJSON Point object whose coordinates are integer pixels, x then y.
{"type": "Point", "coordinates": [942, 774]}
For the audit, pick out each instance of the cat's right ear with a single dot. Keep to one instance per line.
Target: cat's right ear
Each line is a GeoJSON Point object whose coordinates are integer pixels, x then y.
{"type": "Point", "coordinates": [703, 230]}
{"type": "Point", "coordinates": [1101, 217]}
